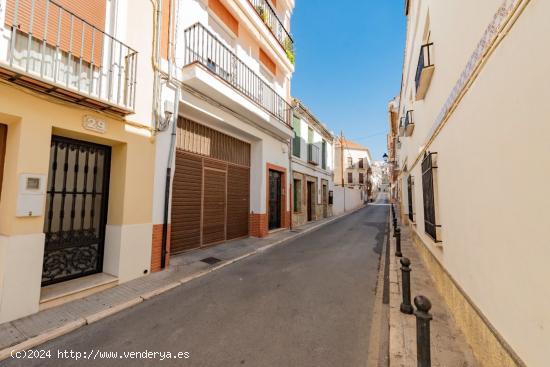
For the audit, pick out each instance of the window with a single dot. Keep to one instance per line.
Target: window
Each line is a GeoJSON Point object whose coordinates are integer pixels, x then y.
{"type": "Point", "coordinates": [297, 196]}
{"type": "Point", "coordinates": [310, 135]}
{"type": "Point", "coordinates": [296, 142]}
{"type": "Point", "coordinates": [324, 155]}
{"type": "Point", "coordinates": [350, 162]}
{"type": "Point", "coordinates": [410, 198]}
{"type": "Point", "coordinates": [430, 225]}
{"type": "Point", "coordinates": [361, 178]}
{"type": "Point", "coordinates": [350, 177]}
{"type": "Point", "coordinates": [361, 163]}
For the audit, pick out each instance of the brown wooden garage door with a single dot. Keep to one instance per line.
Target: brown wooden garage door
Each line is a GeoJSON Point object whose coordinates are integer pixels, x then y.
{"type": "Point", "coordinates": [211, 191]}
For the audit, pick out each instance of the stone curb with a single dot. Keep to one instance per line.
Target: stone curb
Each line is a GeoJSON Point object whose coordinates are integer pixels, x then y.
{"type": "Point", "coordinates": [42, 338]}
{"type": "Point", "coordinates": [76, 324]}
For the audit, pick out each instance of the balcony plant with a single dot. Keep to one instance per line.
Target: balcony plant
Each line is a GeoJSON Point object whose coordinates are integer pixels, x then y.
{"type": "Point", "coordinates": [262, 13]}
{"type": "Point", "coordinates": [289, 49]}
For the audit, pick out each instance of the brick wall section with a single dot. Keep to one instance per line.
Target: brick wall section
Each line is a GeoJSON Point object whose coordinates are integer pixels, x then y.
{"type": "Point", "coordinates": [258, 225]}
{"type": "Point", "coordinates": [156, 249]}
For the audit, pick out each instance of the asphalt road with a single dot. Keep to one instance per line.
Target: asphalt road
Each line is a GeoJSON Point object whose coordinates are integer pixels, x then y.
{"type": "Point", "coordinates": [308, 302]}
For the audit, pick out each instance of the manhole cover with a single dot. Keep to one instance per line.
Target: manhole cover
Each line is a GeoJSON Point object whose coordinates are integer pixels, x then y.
{"type": "Point", "coordinates": [211, 260]}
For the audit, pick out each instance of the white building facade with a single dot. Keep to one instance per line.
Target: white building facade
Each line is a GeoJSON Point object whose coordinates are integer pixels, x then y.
{"type": "Point", "coordinates": [474, 80]}
{"type": "Point", "coordinates": [312, 167]}
{"type": "Point", "coordinates": [228, 68]}
{"type": "Point", "coordinates": [353, 167]}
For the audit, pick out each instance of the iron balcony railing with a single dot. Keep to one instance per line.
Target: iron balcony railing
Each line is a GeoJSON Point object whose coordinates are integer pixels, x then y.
{"type": "Point", "coordinates": [313, 154]}
{"type": "Point", "coordinates": [272, 21]}
{"type": "Point", "coordinates": [424, 61]}
{"type": "Point", "coordinates": [203, 47]}
{"type": "Point", "coordinates": [67, 56]}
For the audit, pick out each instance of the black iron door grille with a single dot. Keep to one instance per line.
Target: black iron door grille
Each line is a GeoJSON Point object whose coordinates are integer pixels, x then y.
{"type": "Point", "coordinates": [76, 209]}
{"type": "Point", "coordinates": [274, 199]}
{"type": "Point", "coordinates": [410, 194]}
{"type": "Point", "coordinates": [430, 225]}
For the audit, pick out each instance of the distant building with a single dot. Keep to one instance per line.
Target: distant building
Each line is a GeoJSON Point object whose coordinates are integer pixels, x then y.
{"type": "Point", "coordinates": [312, 167]}
{"type": "Point", "coordinates": [353, 167]}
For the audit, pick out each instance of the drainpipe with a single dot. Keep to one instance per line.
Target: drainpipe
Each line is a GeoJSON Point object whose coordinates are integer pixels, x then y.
{"type": "Point", "coordinates": [157, 11]}
{"type": "Point", "coordinates": [169, 179]}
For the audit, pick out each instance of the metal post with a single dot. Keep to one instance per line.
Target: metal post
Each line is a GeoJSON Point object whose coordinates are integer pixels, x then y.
{"type": "Point", "coordinates": [394, 227]}
{"type": "Point", "coordinates": [398, 243]}
{"type": "Point", "coordinates": [423, 318]}
{"type": "Point", "coordinates": [406, 306]}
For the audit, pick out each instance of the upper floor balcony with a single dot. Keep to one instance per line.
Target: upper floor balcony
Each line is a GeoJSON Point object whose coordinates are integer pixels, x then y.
{"type": "Point", "coordinates": [228, 79]}
{"type": "Point", "coordinates": [50, 49]}
{"type": "Point", "coordinates": [270, 18]}
{"type": "Point", "coordinates": [406, 124]}
{"type": "Point", "coordinates": [424, 71]}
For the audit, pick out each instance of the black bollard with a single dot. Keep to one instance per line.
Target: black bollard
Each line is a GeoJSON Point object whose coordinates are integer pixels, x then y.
{"type": "Point", "coordinates": [398, 242]}
{"type": "Point", "coordinates": [423, 318]}
{"type": "Point", "coordinates": [406, 306]}
{"type": "Point", "coordinates": [394, 227]}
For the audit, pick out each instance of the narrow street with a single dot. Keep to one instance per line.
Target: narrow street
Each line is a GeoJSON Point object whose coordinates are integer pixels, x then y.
{"type": "Point", "coordinates": [306, 303]}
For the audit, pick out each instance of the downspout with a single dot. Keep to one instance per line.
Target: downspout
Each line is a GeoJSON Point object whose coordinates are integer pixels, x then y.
{"type": "Point", "coordinates": [157, 6]}
{"type": "Point", "coordinates": [168, 180]}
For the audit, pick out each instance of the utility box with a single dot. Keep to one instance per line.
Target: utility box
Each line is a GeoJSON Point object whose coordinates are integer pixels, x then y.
{"type": "Point", "coordinates": [32, 193]}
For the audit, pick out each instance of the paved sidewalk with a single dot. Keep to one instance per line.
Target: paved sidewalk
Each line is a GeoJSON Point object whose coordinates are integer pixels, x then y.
{"type": "Point", "coordinates": [36, 329]}
{"type": "Point", "coordinates": [448, 346]}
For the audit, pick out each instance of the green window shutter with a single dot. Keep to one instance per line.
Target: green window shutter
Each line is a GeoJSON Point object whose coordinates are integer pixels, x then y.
{"type": "Point", "coordinates": [324, 155]}
{"type": "Point", "coordinates": [296, 145]}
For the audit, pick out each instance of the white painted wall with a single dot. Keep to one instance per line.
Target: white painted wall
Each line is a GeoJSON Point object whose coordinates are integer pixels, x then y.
{"type": "Point", "coordinates": [494, 218]}
{"type": "Point", "coordinates": [346, 199]}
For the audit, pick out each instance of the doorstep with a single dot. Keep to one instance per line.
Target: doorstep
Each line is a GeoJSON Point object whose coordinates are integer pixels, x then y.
{"type": "Point", "coordinates": [60, 293]}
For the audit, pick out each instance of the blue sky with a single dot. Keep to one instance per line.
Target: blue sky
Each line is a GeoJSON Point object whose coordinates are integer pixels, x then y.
{"type": "Point", "coordinates": [349, 55]}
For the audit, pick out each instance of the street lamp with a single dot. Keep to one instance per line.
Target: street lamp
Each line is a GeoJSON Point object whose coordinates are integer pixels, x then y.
{"type": "Point", "coordinates": [385, 156]}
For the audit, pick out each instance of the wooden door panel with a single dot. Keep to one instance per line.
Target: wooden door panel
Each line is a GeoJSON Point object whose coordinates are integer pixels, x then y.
{"type": "Point", "coordinates": [214, 206]}
{"type": "Point", "coordinates": [238, 201]}
{"type": "Point", "coordinates": [186, 203]}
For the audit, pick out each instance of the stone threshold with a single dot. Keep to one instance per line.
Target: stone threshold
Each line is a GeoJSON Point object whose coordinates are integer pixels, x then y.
{"type": "Point", "coordinates": [60, 293]}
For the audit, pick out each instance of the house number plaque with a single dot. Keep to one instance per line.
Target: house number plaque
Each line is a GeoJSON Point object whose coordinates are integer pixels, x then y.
{"type": "Point", "coordinates": [94, 124]}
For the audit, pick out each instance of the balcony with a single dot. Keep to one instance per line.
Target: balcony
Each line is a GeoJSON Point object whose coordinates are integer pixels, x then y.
{"type": "Point", "coordinates": [409, 123]}
{"type": "Point", "coordinates": [402, 126]}
{"type": "Point", "coordinates": [51, 50]}
{"type": "Point", "coordinates": [260, 100]}
{"type": "Point", "coordinates": [424, 71]}
{"type": "Point", "coordinates": [268, 15]}
{"type": "Point", "coordinates": [313, 154]}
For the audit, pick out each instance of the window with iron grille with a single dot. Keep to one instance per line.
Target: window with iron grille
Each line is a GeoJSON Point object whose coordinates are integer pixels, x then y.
{"type": "Point", "coordinates": [410, 194]}
{"type": "Point", "coordinates": [428, 167]}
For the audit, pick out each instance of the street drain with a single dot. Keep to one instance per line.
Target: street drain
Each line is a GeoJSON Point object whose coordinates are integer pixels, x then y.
{"type": "Point", "coordinates": [211, 260]}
